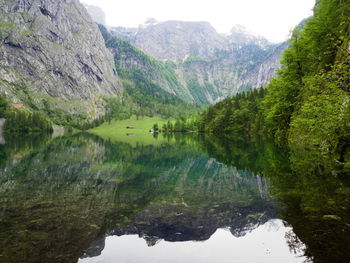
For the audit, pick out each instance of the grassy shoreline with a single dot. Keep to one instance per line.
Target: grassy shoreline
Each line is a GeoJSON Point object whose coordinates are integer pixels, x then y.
{"type": "Point", "coordinates": [117, 130]}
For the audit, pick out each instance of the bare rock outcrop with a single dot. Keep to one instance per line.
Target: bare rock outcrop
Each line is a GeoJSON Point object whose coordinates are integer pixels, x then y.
{"type": "Point", "coordinates": [52, 55]}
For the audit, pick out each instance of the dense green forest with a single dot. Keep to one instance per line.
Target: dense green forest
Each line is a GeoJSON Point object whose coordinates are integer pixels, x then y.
{"type": "Point", "coordinates": [308, 102]}
{"type": "Point", "coordinates": [20, 120]}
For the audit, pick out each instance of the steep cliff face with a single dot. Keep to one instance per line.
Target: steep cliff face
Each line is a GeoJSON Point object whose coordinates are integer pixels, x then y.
{"type": "Point", "coordinates": [207, 66]}
{"type": "Point", "coordinates": [53, 57]}
{"type": "Point", "coordinates": [267, 69]}
{"type": "Point", "coordinates": [235, 71]}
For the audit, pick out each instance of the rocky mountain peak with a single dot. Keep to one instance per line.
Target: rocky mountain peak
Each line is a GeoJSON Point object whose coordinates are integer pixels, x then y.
{"type": "Point", "coordinates": [208, 66]}
{"type": "Point", "coordinates": [174, 40]}
{"type": "Point", "coordinates": [240, 35]}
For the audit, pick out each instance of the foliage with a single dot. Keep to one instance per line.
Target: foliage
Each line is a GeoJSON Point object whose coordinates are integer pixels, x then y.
{"type": "Point", "coordinates": [234, 116]}
{"type": "Point", "coordinates": [3, 106]}
{"type": "Point", "coordinates": [20, 120]}
{"type": "Point", "coordinates": [143, 96]}
{"type": "Point", "coordinates": [25, 121]}
{"type": "Point", "coordinates": [323, 119]}
{"type": "Point", "coordinates": [308, 103]}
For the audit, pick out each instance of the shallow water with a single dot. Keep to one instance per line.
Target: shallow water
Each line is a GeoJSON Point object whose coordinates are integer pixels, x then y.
{"type": "Point", "coordinates": [81, 198]}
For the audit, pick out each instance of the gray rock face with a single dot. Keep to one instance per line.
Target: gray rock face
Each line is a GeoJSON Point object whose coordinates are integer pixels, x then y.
{"type": "Point", "coordinates": [208, 66]}
{"type": "Point", "coordinates": [53, 55]}
{"type": "Point", "coordinates": [175, 40]}
{"type": "Point", "coordinates": [267, 69]}
{"type": "Point", "coordinates": [96, 14]}
{"type": "Point", "coordinates": [240, 36]}
{"type": "Point", "coordinates": [212, 81]}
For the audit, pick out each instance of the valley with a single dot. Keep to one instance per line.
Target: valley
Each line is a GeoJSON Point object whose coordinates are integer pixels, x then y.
{"type": "Point", "coordinates": [171, 141]}
{"type": "Point", "coordinates": [77, 85]}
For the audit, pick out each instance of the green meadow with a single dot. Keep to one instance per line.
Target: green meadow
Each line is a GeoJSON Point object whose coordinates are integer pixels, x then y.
{"type": "Point", "coordinates": [117, 130]}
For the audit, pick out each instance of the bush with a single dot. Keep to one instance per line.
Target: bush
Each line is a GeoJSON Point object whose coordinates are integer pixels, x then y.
{"type": "Point", "coordinates": [25, 121]}
{"type": "Point", "coordinates": [3, 106]}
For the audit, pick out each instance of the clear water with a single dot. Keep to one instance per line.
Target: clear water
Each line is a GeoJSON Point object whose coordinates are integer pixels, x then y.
{"type": "Point", "coordinates": [81, 198]}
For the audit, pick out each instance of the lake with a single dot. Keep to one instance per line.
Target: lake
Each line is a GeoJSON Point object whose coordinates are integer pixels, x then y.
{"type": "Point", "coordinates": [199, 199]}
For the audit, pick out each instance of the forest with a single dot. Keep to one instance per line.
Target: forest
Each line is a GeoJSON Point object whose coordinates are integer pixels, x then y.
{"type": "Point", "coordinates": [308, 103]}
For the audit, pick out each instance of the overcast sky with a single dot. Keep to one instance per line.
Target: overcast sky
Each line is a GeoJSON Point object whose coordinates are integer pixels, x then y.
{"type": "Point", "coordinates": [272, 19]}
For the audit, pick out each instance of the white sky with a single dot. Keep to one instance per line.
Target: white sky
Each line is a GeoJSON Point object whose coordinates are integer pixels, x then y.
{"type": "Point", "coordinates": [272, 19]}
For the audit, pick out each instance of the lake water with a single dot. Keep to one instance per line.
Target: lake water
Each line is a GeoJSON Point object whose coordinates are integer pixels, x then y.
{"type": "Point", "coordinates": [81, 198]}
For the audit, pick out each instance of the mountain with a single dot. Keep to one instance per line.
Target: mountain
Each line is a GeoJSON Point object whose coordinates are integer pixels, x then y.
{"type": "Point", "coordinates": [53, 58]}
{"type": "Point", "coordinates": [54, 61]}
{"type": "Point", "coordinates": [174, 40]}
{"type": "Point", "coordinates": [129, 58]}
{"type": "Point", "coordinates": [150, 86]}
{"type": "Point", "coordinates": [307, 104]}
{"type": "Point", "coordinates": [96, 14]}
{"type": "Point", "coordinates": [234, 71]}
{"type": "Point", "coordinates": [240, 36]}
{"type": "Point", "coordinates": [208, 66]}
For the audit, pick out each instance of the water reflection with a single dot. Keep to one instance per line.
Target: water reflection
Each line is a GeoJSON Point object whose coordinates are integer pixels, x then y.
{"type": "Point", "coordinates": [61, 198]}
{"type": "Point", "coordinates": [267, 241]}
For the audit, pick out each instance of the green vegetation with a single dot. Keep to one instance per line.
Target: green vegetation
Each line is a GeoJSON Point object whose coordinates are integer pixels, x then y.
{"type": "Point", "coordinates": [232, 117]}
{"type": "Point", "coordinates": [191, 59]}
{"type": "Point", "coordinates": [235, 116]}
{"type": "Point", "coordinates": [148, 99]}
{"type": "Point", "coordinates": [6, 28]}
{"type": "Point", "coordinates": [4, 105]}
{"type": "Point", "coordinates": [141, 78]}
{"type": "Point", "coordinates": [138, 133]}
{"type": "Point", "coordinates": [308, 103]}
{"type": "Point", "coordinates": [25, 121]}
{"type": "Point", "coordinates": [199, 91]}
{"type": "Point", "coordinates": [20, 120]}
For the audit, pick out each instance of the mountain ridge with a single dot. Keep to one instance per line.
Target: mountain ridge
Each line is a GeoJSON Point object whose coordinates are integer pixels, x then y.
{"type": "Point", "coordinates": [56, 61]}
{"type": "Point", "coordinates": [207, 73]}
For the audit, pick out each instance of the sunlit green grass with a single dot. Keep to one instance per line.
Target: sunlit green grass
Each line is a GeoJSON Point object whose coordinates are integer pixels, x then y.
{"type": "Point", "coordinates": [116, 130]}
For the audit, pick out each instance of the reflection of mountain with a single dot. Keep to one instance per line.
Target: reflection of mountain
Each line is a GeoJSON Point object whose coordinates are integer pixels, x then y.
{"type": "Point", "coordinates": [182, 223]}
{"type": "Point", "coordinates": [52, 201]}
{"type": "Point", "coordinates": [60, 196]}
{"type": "Point", "coordinates": [196, 197]}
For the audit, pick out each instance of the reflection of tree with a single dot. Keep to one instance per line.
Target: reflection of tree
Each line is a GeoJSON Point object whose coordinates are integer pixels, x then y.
{"type": "Point", "coordinates": [317, 204]}
{"type": "Point", "coordinates": [64, 193]}
{"type": "Point", "coordinates": [313, 188]}
{"type": "Point", "coordinates": [294, 243]}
